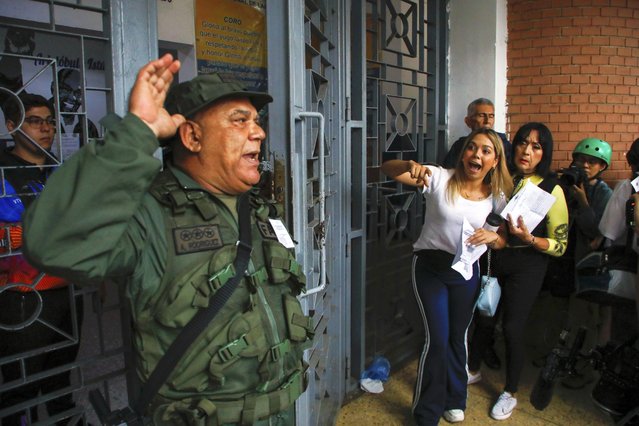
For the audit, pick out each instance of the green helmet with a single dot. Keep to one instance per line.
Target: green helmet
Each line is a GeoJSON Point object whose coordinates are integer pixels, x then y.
{"type": "Point", "coordinates": [595, 148]}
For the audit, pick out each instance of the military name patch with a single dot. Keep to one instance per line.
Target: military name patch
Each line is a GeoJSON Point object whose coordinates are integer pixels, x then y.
{"type": "Point", "coordinates": [197, 238]}
{"type": "Point", "coordinates": [266, 230]}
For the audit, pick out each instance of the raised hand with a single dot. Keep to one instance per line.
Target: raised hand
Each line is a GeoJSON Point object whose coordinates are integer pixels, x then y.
{"type": "Point", "coordinates": [148, 95]}
{"type": "Point", "coordinates": [419, 172]}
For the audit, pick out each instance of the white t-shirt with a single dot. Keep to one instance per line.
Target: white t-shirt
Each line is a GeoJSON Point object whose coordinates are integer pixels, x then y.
{"type": "Point", "coordinates": [443, 220]}
{"type": "Point", "coordinates": [613, 222]}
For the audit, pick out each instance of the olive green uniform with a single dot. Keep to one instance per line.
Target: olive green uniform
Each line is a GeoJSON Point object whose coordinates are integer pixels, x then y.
{"type": "Point", "coordinates": [110, 213]}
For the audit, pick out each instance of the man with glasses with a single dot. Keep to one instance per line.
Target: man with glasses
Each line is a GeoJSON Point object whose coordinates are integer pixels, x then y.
{"type": "Point", "coordinates": [25, 168]}
{"type": "Point", "coordinates": [480, 113]}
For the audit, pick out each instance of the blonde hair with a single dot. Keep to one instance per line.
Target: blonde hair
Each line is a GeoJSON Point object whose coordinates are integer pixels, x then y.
{"type": "Point", "coordinates": [498, 178]}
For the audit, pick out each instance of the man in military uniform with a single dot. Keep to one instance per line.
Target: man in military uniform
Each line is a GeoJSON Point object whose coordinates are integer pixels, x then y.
{"type": "Point", "coordinates": [170, 237]}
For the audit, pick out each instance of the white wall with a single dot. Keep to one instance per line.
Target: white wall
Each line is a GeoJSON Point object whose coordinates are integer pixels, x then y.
{"type": "Point", "coordinates": [476, 60]}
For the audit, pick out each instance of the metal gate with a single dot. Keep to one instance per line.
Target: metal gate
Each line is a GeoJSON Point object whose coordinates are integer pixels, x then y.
{"type": "Point", "coordinates": [305, 39]}
{"type": "Point", "coordinates": [404, 119]}
{"type": "Point", "coordinates": [62, 50]}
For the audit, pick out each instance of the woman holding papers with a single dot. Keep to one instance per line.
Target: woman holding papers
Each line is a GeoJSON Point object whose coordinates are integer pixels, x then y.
{"type": "Point", "coordinates": [454, 198]}
{"type": "Point", "coordinates": [522, 265]}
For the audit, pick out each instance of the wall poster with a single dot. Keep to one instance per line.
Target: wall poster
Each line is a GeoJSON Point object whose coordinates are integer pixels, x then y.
{"type": "Point", "coordinates": [231, 38]}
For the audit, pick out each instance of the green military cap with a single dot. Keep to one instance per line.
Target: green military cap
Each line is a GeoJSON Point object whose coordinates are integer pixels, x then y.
{"type": "Point", "coordinates": [194, 95]}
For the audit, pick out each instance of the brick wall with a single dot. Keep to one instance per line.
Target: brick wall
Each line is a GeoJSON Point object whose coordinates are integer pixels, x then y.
{"type": "Point", "coordinates": [574, 66]}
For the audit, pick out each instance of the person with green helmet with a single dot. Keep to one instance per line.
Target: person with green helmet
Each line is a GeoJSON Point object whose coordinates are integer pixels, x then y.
{"type": "Point", "coordinates": [587, 200]}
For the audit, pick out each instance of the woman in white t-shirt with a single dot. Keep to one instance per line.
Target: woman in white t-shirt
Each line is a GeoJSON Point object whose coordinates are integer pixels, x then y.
{"type": "Point", "coordinates": [470, 191]}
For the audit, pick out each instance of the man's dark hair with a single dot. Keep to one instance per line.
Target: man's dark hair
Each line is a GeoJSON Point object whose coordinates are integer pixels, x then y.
{"type": "Point", "coordinates": [11, 107]}
{"type": "Point", "coordinates": [545, 140]}
{"type": "Point", "coordinates": [472, 107]}
{"type": "Point", "coordinates": [632, 156]}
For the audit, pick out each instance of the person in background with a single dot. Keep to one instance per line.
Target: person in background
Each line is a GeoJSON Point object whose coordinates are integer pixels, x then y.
{"type": "Point", "coordinates": [471, 191]}
{"type": "Point", "coordinates": [26, 168]}
{"type": "Point", "coordinates": [586, 205]}
{"type": "Point", "coordinates": [613, 226]}
{"type": "Point", "coordinates": [521, 266]}
{"type": "Point", "coordinates": [480, 114]}
{"type": "Point", "coordinates": [170, 239]}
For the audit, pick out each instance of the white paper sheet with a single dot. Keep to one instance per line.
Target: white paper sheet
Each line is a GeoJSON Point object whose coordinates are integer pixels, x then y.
{"type": "Point", "coordinates": [466, 254]}
{"type": "Point", "coordinates": [532, 203]}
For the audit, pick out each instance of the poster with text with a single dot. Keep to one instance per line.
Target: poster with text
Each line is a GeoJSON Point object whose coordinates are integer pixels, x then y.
{"type": "Point", "coordinates": [230, 37]}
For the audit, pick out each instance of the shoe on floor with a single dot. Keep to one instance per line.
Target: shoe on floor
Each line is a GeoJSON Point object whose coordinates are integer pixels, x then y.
{"type": "Point", "coordinates": [474, 378]}
{"type": "Point", "coordinates": [454, 415]}
{"type": "Point", "coordinates": [504, 406]}
{"type": "Point", "coordinates": [491, 359]}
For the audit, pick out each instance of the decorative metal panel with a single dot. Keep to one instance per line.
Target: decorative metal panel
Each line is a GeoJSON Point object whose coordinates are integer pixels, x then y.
{"type": "Point", "coordinates": [397, 127]}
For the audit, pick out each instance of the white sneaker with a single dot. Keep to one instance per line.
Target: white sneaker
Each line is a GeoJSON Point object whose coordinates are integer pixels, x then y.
{"type": "Point", "coordinates": [504, 406]}
{"type": "Point", "coordinates": [474, 378]}
{"type": "Point", "coordinates": [454, 415]}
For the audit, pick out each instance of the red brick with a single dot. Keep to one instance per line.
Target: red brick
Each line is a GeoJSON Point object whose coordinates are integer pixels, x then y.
{"type": "Point", "coordinates": [591, 11]}
{"type": "Point", "coordinates": [582, 21]}
{"type": "Point", "coordinates": [568, 127]}
{"type": "Point", "coordinates": [608, 50]}
{"type": "Point", "coordinates": [627, 119]}
{"type": "Point", "coordinates": [541, 80]}
{"type": "Point", "coordinates": [624, 51]}
{"type": "Point", "coordinates": [614, 99]}
{"type": "Point", "coordinates": [618, 41]}
{"type": "Point", "coordinates": [601, 40]}
{"type": "Point", "coordinates": [583, 108]}
{"type": "Point", "coordinates": [599, 79]}
{"type": "Point", "coordinates": [622, 90]}
{"type": "Point", "coordinates": [604, 127]}
{"type": "Point", "coordinates": [580, 41]}
{"type": "Point", "coordinates": [544, 42]}
{"type": "Point", "coordinates": [609, 31]}
{"type": "Point", "coordinates": [606, 89]}
{"type": "Point", "coordinates": [579, 79]}
{"type": "Point", "coordinates": [560, 79]}
{"type": "Point", "coordinates": [604, 108]}
{"type": "Point", "coordinates": [562, 22]}
{"type": "Point", "coordinates": [583, 59]}
{"type": "Point", "coordinates": [618, 22]}
{"type": "Point", "coordinates": [561, 60]}
{"type": "Point", "coordinates": [529, 90]}
{"type": "Point", "coordinates": [549, 89]}
{"type": "Point", "coordinates": [571, 31]}
{"type": "Point", "coordinates": [612, 118]}
{"type": "Point", "coordinates": [552, 70]}
{"type": "Point", "coordinates": [590, 50]}
{"type": "Point", "coordinates": [601, 60]}
{"type": "Point", "coordinates": [616, 60]}
{"type": "Point", "coordinates": [634, 90]}
{"type": "Point", "coordinates": [589, 88]}
{"type": "Point", "coordinates": [585, 69]}
{"type": "Point", "coordinates": [560, 99]}
{"type": "Point", "coordinates": [631, 62]}
{"type": "Point", "coordinates": [608, 11]}
{"type": "Point", "coordinates": [597, 99]}
{"type": "Point", "coordinates": [600, 21]}
{"type": "Point", "coordinates": [620, 109]}
{"type": "Point", "coordinates": [587, 128]}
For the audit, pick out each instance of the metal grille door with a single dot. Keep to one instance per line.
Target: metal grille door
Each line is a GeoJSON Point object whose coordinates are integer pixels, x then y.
{"type": "Point", "coordinates": [401, 122]}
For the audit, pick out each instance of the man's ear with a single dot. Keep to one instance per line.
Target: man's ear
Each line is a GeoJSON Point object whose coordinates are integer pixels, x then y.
{"type": "Point", "coordinates": [10, 125]}
{"type": "Point", "coordinates": [190, 134]}
{"type": "Point", "coordinates": [468, 122]}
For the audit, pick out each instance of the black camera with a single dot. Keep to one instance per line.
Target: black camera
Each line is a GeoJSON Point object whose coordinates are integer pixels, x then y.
{"type": "Point", "coordinates": [630, 212]}
{"type": "Point", "coordinates": [573, 175]}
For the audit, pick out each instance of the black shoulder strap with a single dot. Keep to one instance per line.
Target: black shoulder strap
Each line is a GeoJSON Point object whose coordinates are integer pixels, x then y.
{"type": "Point", "coordinates": [204, 317]}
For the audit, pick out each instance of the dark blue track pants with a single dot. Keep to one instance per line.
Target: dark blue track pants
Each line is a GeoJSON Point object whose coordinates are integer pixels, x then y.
{"type": "Point", "coordinates": [446, 302]}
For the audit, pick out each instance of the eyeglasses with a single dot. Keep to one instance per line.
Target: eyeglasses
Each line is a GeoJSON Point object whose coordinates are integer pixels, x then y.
{"type": "Point", "coordinates": [484, 116]}
{"type": "Point", "coordinates": [35, 121]}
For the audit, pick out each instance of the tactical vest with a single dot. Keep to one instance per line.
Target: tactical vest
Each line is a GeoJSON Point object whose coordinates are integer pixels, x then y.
{"type": "Point", "coordinates": [248, 364]}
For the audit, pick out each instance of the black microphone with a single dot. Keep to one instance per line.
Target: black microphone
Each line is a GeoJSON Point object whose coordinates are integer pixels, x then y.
{"type": "Point", "coordinates": [493, 221]}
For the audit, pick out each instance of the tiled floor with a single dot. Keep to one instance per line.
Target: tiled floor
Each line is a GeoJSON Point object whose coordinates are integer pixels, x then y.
{"type": "Point", "coordinates": [568, 407]}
